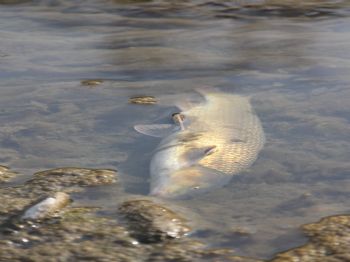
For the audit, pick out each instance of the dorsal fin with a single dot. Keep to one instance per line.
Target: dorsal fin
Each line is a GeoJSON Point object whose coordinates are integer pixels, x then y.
{"type": "Point", "coordinates": [205, 90]}
{"type": "Point", "coordinates": [157, 130]}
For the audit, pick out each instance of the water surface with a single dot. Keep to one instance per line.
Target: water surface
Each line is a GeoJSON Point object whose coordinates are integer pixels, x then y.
{"type": "Point", "coordinates": [291, 59]}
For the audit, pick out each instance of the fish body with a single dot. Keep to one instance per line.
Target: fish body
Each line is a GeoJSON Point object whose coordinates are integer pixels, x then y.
{"type": "Point", "coordinates": [218, 138]}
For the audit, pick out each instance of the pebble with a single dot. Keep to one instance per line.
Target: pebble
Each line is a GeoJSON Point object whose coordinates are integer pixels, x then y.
{"type": "Point", "coordinates": [47, 206]}
{"type": "Point", "coordinates": [91, 82]}
{"type": "Point", "coordinates": [6, 174]}
{"type": "Point", "coordinates": [143, 100]}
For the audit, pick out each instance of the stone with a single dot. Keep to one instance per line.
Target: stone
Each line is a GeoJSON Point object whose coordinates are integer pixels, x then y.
{"type": "Point", "coordinates": [149, 222]}
{"type": "Point", "coordinates": [6, 174]}
{"type": "Point", "coordinates": [91, 82]}
{"type": "Point", "coordinates": [144, 100]}
{"type": "Point", "coordinates": [329, 240]}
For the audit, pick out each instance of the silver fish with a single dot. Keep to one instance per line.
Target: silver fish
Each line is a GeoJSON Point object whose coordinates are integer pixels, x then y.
{"type": "Point", "coordinates": [215, 140]}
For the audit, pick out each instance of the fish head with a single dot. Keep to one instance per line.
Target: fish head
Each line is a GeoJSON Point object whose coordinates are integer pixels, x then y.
{"type": "Point", "coordinates": [190, 181]}
{"type": "Point", "coordinates": [175, 168]}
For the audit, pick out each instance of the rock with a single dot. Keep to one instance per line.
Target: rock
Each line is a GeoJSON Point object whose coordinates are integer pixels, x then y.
{"type": "Point", "coordinates": [151, 231]}
{"type": "Point", "coordinates": [329, 240]}
{"type": "Point", "coordinates": [13, 200]}
{"type": "Point", "coordinates": [151, 223]}
{"type": "Point", "coordinates": [6, 174]}
{"type": "Point", "coordinates": [78, 235]}
{"type": "Point", "coordinates": [12, 203]}
{"type": "Point", "coordinates": [85, 234]}
{"type": "Point", "coordinates": [47, 206]}
{"type": "Point", "coordinates": [187, 250]}
{"type": "Point", "coordinates": [243, 259]}
{"type": "Point", "coordinates": [144, 100]}
{"type": "Point", "coordinates": [60, 178]}
{"type": "Point", "coordinates": [44, 208]}
{"type": "Point", "coordinates": [91, 82]}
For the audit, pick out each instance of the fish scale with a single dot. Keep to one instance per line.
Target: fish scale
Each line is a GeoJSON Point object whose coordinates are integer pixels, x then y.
{"type": "Point", "coordinates": [236, 112]}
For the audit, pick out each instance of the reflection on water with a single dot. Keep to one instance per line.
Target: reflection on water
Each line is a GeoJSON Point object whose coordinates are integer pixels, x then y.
{"type": "Point", "coordinates": [292, 59]}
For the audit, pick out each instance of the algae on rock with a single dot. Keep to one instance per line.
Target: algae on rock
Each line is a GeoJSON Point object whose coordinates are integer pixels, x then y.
{"type": "Point", "coordinates": [329, 241]}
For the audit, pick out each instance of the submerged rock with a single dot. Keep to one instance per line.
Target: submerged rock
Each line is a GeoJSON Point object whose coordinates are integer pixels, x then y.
{"type": "Point", "coordinates": [297, 205]}
{"type": "Point", "coordinates": [150, 222]}
{"type": "Point", "coordinates": [41, 209]}
{"type": "Point", "coordinates": [329, 241]}
{"type": "Point", "coordinates": [12, 203]}
{"type": "Point", "coordinates": [47, 206]}
{"type": "Point", "coordinates": [58, 178]}
{"type": "Point", "coordinates": [49, 229]}
{"type": "Point", "coordinates": [91, 82]}
{"type": "Point", "coordinates": [6, 174]}
{"type": "Point", "coordinates": [14, 200]}
{"type": "Point", "coordinates": [186, 250]}
{"type": "Point", "coordinates": [77, 235]}
{"type": "Point", "coordinates": [144, 100]}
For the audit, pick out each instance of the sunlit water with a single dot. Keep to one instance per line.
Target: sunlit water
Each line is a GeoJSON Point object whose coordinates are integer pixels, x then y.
{"type": "Point", "coordinates": [292, 60]}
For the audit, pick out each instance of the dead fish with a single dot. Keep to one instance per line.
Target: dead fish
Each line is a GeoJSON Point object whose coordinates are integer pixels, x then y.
{"type": "Point", "coordinates": [215, 140]}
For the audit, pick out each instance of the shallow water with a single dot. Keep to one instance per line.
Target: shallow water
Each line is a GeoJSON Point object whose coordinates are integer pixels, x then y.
{"type": "Point", "coordinates": [292, 59]}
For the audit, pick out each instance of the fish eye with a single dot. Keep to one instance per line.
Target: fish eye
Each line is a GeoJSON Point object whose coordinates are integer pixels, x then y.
{"type": "Point", "coordinates": [196, 187]}
{"type": "Point", "coordinates": [178, 117]}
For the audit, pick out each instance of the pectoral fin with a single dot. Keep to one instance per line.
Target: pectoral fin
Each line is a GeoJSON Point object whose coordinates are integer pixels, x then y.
{"type": "Point", "coordinates": [194, 155]}
{"type": "Point", "coordinates": [157, 130]}
{"type": "Point", "coordinates": [188, 182]}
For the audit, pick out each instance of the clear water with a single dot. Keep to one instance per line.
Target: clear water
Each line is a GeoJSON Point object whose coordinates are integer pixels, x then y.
{"type": "Point", "coordinates": [292, 59]}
